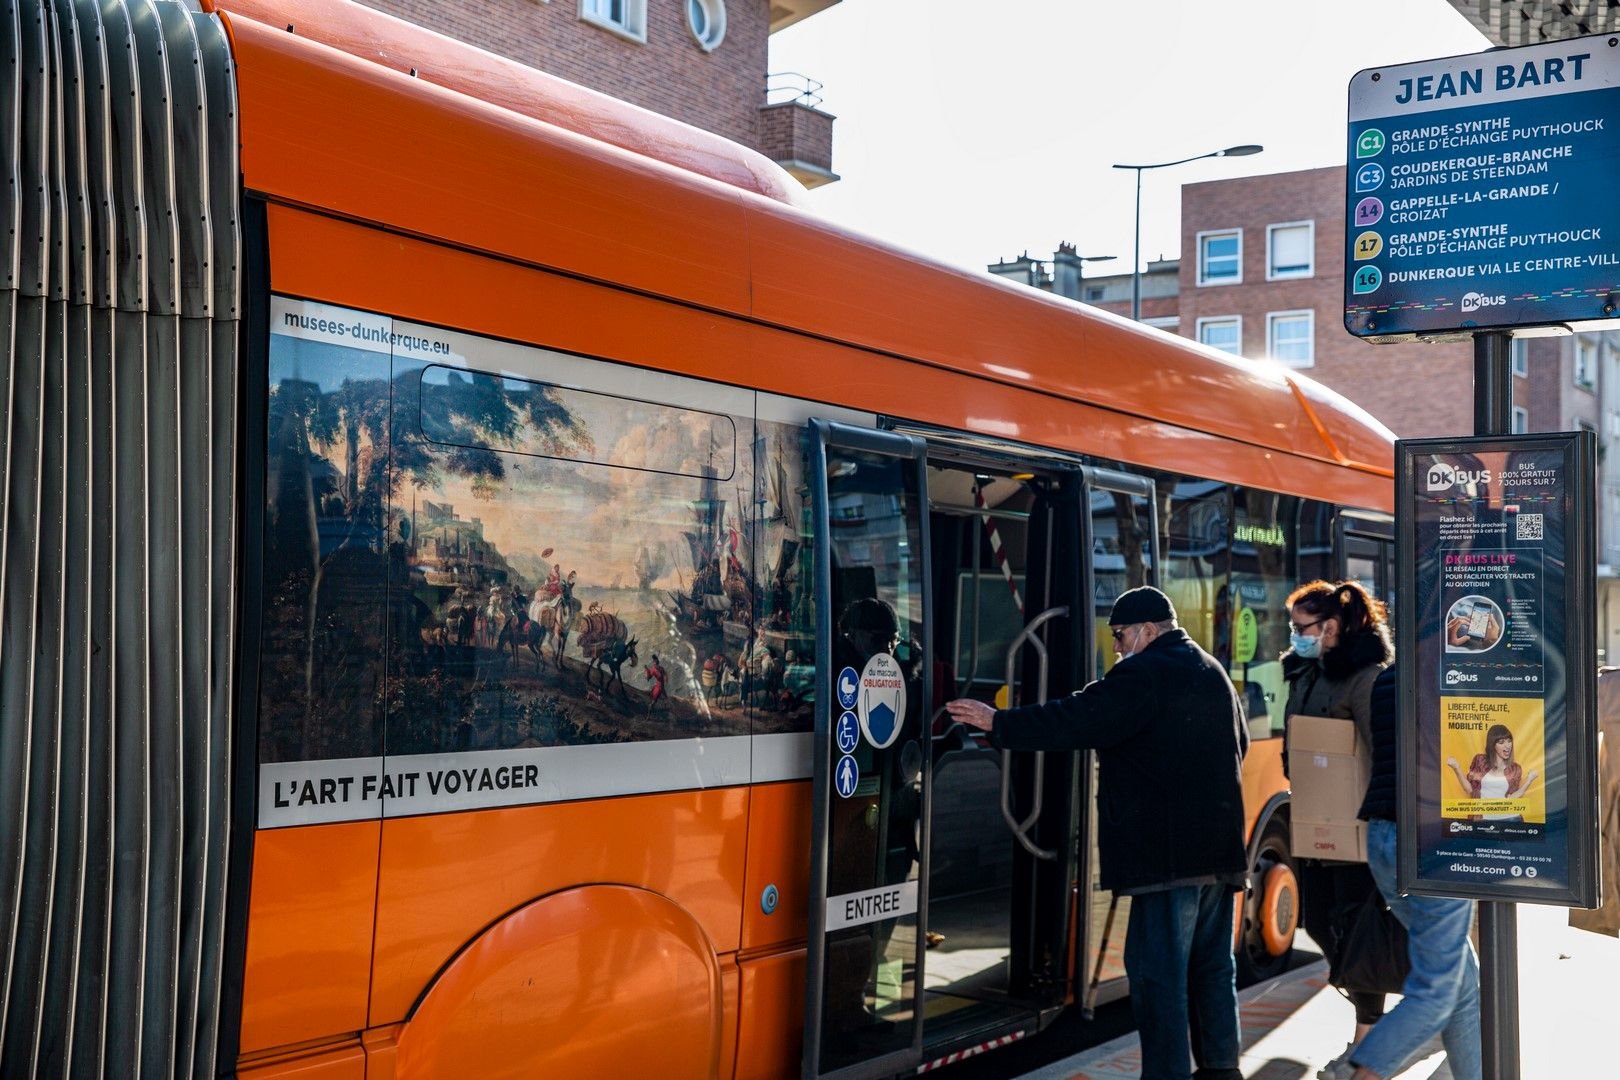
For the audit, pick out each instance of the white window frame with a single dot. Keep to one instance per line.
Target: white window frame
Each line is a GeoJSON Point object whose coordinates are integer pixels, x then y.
{"type": "Point", "coordinates": [1520, 351]}
{"type": "Point", "coordinates": [634, 26]}
{"type": "Point", "coordinates": [1164, 322]}
{"type": "Point", "coordinates": [1198, 248]}
{"type": "Point", "coordinates": [1309, 314]}
{"type": "Point", "coordinates": [1588, 349]}
{"type": "Point", "coordinates": [1272, 274]}
{"type": "Point", "coordinates": [1235, 320]}
{"type": "Point", "coordinates": [1521, 419]}
{"type": "Point", "coordinates": [715, 12]}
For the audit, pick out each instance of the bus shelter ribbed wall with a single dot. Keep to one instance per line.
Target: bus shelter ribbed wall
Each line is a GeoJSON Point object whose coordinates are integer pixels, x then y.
{"type": "Point", "coordinates": [119, 301]}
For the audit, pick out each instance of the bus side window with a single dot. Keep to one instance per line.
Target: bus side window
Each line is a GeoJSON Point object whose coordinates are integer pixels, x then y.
{"type": "Point", "coordinates": [1197, 559]}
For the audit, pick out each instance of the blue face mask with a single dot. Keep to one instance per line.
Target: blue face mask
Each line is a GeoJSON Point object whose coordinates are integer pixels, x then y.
{"type": "Point", "coordinates": [1305, 646]}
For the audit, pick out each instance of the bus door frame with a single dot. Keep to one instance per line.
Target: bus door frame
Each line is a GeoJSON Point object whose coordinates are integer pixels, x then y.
{"type": "Point", "coordinates": [822, 436]}
{"type": "Point", "coordinates": [1112, 481]}
{"type": "Point", "coordinates": [1368, 527]}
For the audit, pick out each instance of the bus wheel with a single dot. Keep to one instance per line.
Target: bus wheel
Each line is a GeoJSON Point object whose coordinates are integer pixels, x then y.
{"type": "Point", "coordinates": [1270, 908]}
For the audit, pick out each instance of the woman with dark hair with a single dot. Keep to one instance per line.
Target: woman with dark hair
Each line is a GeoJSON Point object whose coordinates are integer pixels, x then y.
{"type": "Point", "coordinates": [1340, 642]}
{"type": "Point", "coordinates": [1494, 774]}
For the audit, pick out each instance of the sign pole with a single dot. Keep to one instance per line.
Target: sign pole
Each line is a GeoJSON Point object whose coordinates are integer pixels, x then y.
{"type": "Point", "coordinates": [1498, 921]}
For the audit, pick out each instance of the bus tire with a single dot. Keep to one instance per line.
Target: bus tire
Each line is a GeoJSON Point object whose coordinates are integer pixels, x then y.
{"type": "Point", "coordinates": [600, 980]}
{"type": "Point", "coordinates": [1270, 912]}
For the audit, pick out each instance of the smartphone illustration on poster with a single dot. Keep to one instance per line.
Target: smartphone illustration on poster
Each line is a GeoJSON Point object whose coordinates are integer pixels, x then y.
{"type": "Point", "coordinates": [1474, 624]}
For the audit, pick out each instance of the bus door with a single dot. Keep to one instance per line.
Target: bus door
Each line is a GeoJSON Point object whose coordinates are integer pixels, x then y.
{"type": "Point", "coordinates": [1122, 534]}
{"type": "Point", "coordinates": [869, 833]}
{"type": "Point", "coordinates": [1007, 532]}
{"type": "Point", "coordinates": [1367, 547]}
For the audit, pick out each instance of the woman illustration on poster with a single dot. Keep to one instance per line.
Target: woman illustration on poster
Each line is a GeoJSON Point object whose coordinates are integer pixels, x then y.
{"type": "Point", "coordinates": [1494, 774]}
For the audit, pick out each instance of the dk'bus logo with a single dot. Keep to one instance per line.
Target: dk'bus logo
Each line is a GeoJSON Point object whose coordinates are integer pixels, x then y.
{"type": "Point", "coordinates": [1443, 477]}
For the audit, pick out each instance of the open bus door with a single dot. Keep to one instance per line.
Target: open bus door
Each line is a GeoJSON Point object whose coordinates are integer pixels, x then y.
{"type": "Point", "coordinates": [936, 830]}
{"type": "Point", "coordinates": [869, 833]}
{"type": "Point", "coordinates": [1122, 534]}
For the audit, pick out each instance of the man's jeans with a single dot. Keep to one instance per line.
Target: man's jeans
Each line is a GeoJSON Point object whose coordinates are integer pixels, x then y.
{"type": "Point", "coordinates": [1441, 995]}
{"type": "Point", "coordinates": [1178, 956]}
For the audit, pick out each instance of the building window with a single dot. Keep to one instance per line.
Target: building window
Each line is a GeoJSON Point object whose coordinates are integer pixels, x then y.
{"type": "Point", "coordinates": [1520, 351]}
{"type": "Point", "coordinates": [707, 18]}
{"type": "Point", "coordinates": [1521, 419]}
{"type": "Point", "coordinates": [1224, 333]}
{"type": "Point", "coordinates": [1164, 322]}
{"type": "Point", "coordinates": [1095, 293]}
{"type": "Point", "coordinates": [627, 18]}
{"type": "Point", "coordinates": [1585, 362]}
{"type": "Point", "coordinates": [1290, 250]}
{"type": "Point", "coordinates": [1291, 337]}
{"type": "Point", "coordinates": [1220, 257]}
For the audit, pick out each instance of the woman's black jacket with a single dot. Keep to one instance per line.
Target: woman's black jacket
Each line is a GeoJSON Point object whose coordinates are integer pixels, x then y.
{"type": "Point", "coordinates": [1170, 738]}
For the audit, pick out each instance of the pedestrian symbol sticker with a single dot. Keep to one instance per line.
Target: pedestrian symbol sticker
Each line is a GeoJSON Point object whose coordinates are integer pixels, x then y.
{"type": "Point", "coordinates": [1368, 245]}
{"type": "Point", "coordinates": [1367, 280]}
{"type": "Point", "coordinates": [1370, 143]}
{"type": "Point", "coordinates": [848, 684]}
{"type": "Point", "coordinates": [846, 776]}
{"type": "Point", "coordinates": [1369, 211]}
{"type": "Point", "coordinates": [849, 732]}
{"type": "Point", "coordinates": [1370, 177]}
{"type": "Point", "coordinates": [882, 705]}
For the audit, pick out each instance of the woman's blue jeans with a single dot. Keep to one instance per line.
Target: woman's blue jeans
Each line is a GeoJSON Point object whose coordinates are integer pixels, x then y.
{"type": "Point", "coordinates": [1441, 995]}
{"type": "Point", "coordinates": [1178, 957]}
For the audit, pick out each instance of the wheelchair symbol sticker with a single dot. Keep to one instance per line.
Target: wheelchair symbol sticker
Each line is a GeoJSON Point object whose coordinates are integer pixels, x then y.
{"type": "Point", "coordinates": [849, 732]}
{"type": "Point", "coordinates": [846, 776]}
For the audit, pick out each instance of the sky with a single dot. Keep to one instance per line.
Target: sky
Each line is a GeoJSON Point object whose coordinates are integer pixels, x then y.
{"type": "Point", "coordinates": [975, 130]}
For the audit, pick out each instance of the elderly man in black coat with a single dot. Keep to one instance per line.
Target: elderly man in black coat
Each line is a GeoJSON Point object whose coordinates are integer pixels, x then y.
{"type": "Point", "coordinates": [1170, 737]}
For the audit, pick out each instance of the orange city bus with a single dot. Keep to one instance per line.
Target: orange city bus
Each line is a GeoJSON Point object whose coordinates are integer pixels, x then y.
{"type": "Point", "coordinates": [483, 565]}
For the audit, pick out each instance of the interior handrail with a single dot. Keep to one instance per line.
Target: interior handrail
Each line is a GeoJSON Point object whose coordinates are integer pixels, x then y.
{"type": "Point", "coordinates": [1020, 829]}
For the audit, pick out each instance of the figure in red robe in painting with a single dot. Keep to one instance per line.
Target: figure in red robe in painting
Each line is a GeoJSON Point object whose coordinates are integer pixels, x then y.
{"type": "Point", "coordinates": [657, 676]}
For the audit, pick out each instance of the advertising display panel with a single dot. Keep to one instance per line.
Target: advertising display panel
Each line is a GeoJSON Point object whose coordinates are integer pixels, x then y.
{"type": "Point", "coordinates": [1498, 668]}
{"type": "Point", "coordinates": [1479, 192]}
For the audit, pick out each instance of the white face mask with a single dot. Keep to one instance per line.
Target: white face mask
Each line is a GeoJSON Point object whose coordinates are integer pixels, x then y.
{"type": "Point", "coordinates": [1124, 653]}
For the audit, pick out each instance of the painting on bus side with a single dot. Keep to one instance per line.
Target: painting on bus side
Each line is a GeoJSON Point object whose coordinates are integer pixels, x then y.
{"type": "Point", "coordinates": [459, 560]}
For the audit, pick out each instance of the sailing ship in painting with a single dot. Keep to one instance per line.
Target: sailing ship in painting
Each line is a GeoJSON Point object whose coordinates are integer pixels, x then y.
{"type": "Point", "coordinates": [710, 639]}
{"type": "Point", "coordinates": [484, 561]}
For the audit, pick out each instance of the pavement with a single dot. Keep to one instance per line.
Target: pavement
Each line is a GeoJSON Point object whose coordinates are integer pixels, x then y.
{"type": "Point", "coordinates": [1295, 1024]}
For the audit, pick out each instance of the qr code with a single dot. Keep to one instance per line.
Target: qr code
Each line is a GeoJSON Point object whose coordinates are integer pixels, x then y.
{"type": "Point", "coordinates": [1527, 527]}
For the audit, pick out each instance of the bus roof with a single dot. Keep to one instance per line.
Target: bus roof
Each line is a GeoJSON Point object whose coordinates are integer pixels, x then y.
{"type": "Point", "coordinates": [434, 58]}
{"type": "Point", "coordinates": [492, 156]}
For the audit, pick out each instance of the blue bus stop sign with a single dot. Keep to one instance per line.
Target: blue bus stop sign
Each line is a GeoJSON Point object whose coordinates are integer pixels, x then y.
{"type": "Point", "coordinates": [1480, 192]}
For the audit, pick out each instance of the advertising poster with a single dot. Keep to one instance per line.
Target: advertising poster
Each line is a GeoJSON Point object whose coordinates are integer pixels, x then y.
{"type": "Point", "coordinates": [1498, 668]}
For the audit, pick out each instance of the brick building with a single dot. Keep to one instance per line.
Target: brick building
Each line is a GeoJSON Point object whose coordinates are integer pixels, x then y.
{"type": "Point", "coordinates": [699, 61]}
{"type": "Point", "coordinates": [1264, 277]}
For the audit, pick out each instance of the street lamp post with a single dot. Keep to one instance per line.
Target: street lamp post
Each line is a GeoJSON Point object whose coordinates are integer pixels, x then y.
{"type": "Point", "coordinates": [1136, 264]}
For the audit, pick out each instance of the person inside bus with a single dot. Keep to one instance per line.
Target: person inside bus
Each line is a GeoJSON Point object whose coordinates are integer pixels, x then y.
{"type": "Point", "coordinates": [1339, 643]}
{"type": "Point", "coordinates": [1170, 737]}
{"type": "Point", "coordinates": [1441, 994]}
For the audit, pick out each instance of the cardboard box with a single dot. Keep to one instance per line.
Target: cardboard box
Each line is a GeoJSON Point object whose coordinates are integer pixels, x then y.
{"type": "Point", "coordinates": [1328, 773]}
